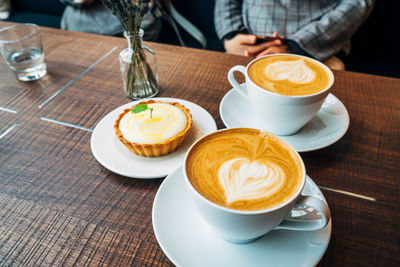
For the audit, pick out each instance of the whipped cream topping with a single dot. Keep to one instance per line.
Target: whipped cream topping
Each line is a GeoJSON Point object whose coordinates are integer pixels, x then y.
{"type": "Point", "coordinates": [294, 71]}
{"type": "Point", "coordinates": [242, 179]}
{"type": "Point", "coordinates": [166, 121]}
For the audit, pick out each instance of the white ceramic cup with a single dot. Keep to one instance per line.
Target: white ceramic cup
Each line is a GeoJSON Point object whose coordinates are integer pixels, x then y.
{"type": "Point", "coordinates": [245, 226]}
{"type": "Point", "coordinates": [279, 114]}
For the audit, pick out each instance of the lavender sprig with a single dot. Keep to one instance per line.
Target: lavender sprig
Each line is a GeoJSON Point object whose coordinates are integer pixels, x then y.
{"type": "Point", "coordinates": [130, 14]}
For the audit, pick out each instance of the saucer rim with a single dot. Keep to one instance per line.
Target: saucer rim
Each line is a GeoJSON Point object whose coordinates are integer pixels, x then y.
{"type": "Point", "coordinates": [312, 148]}
{"type": "Point", "coordinates": [212, 124]}
{"type": "Point", "coordinates": [173, 258]}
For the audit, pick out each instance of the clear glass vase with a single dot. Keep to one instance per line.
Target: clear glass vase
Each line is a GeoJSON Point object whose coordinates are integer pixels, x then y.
{"type": "Point", "coordinates": [138, 68]}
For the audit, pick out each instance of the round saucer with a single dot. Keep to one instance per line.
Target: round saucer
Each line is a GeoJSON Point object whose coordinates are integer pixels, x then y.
{"type": "Point", "coordinates": [114, 156]}
{"type": "Point", "coordinates": [187, 240]}
{"type": "Point", "coordinates": [327, 127]}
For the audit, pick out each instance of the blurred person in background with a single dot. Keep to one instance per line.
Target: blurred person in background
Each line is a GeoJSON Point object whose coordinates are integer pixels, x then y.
{"type": "Point", "coordinates": [93, 17]}
{"type": "Point", "coordinates": [319, 29]}
{"type": "Point", "coordinates": [5, 9]}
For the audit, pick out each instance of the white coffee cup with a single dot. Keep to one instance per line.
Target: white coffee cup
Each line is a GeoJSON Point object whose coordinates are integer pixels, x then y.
{"type": "Point", "coordinates": [241, 226]}
{"type": "Point", "coordinates": [277, 113]}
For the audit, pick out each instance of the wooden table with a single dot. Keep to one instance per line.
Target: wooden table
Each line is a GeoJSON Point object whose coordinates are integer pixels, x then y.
{"type": "Point", "coordinates": [58, 205]}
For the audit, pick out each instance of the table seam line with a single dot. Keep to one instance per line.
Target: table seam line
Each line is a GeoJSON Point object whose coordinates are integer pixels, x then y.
{"type": "Point", "coordinates": [48, 100]}
{"type": "Point", "coordinates": [67, 124]}
{"type": "Point", "coordinates": [9, 110]}
{"type": "Point", "coordinates": [8, 130]}
{"type": "Point", "coordinates": [348, 193]}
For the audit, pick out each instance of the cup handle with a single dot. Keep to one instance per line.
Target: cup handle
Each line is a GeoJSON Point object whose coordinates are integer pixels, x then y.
{"type": "Point", "coordinates": [305, 203]}
{"type": "Point", "coordinates": [231, 78]}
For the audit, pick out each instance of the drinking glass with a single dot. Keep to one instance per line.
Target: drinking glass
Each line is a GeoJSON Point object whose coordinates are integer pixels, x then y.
{"type": "Point", "coordinates": [21, 47]}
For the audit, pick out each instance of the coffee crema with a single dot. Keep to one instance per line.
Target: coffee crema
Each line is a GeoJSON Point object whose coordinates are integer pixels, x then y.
{"type": "Point", "coordinates": [290, 75]}
{"type": "Point", "coordinates": [244, 169]}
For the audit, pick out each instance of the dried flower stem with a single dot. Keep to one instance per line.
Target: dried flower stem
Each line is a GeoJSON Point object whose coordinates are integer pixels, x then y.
{"type": "Point", "coordinates": [130, 13]}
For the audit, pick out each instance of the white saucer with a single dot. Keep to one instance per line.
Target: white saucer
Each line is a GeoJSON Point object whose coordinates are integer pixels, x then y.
{"type": "Point", "coordinates": [187, 240]}
{"type": "Point", "coordinates": [114, 156]}
{"type": "Point", "coordinates": [327, 127]}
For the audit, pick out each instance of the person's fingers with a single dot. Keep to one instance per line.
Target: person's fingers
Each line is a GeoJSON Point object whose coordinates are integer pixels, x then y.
{"type": "Point", "coordinates": [273, 50]}
{"type": "Point", "coordinates": [264, 53]}
{"type": "Point", "coordinates": [239, 43]}
{"type": "Point", "coordinates": [256, 49]}
{"type": "Point", "coordinates": [246, 38]}
{"type": "Point", "coordinates": [275, 34]}
{"type": "Point", "coordinates": [277, 42]}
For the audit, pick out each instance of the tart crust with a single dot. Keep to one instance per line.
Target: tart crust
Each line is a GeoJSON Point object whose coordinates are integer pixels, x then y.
{"type": "Point", "coordinates": [157, 149]}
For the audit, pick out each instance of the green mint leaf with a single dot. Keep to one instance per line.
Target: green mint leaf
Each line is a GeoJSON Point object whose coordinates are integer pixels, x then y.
{"type": "Point", "coordinates": [142, 107]}
{"type": "Point", "coordinates": [139, 108]}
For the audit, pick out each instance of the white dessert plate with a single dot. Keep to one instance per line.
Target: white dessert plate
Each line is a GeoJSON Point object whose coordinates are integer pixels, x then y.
{"type": "Point", "coordinates": [327, 127]}
{"type": "Point", "coordinates": [187, 240]}
{"type": "Point", "coordinates": [114, 156]}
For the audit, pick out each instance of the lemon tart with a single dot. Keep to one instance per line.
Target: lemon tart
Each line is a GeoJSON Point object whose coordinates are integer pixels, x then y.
{"type": "Point", "coordinates": [153, 128]}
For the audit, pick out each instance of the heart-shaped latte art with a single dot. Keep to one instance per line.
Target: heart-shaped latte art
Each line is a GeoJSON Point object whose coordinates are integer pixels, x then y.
{"type": "Point", "coordinates": [294, 71]}
{"type": "Point", "coordinates": [243, 180]}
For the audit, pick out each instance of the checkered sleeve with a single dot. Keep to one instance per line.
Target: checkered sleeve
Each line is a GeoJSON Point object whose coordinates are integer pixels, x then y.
{"type": "Point", "coordinates": [328, 35]}
{"type": "Point", "coordinates": [228, 17]}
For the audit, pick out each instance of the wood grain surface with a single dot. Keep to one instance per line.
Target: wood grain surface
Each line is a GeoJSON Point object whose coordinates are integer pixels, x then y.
{"type": "Point", "coordinates": [59, 206]}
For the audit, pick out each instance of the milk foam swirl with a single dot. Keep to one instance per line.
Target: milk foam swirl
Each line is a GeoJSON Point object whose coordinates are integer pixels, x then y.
{"type": "Point", "coordinates": [290, 75]}
{"type": "Point", "coordinates": [242, 179]}
{"type": "Point", "coordinates": [294, 71]}
{"type": "Point", "coordinates": [244, 169]}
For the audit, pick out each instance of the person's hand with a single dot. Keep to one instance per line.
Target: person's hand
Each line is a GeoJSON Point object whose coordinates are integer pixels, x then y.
{"type": "Point", "coordinates": [263, 46]}
{"type": "Point", "coordinates": [246, 44]}
{"type": "Point", "coordinates": [273, 50]}
{"type": "Point", "coordinates": [240, 43]}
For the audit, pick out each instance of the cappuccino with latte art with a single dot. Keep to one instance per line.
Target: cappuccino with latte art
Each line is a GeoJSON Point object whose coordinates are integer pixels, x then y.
{"type": "Point", "coordinates": [284, 91]}
{"type": "Point", "coordinates": [289, 75]}
{"type": "Point", "coordinates": [244, 169]}
{"type": "Point", "coordinates": [244, 183]}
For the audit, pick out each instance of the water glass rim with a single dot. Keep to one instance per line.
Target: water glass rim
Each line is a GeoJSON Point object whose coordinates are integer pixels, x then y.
{"type": "Point", "coordinates": [36, 32]}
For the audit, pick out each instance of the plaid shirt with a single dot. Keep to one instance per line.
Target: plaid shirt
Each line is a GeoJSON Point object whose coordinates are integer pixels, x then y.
{"type": "Point", "coordinates": [322, 28]}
